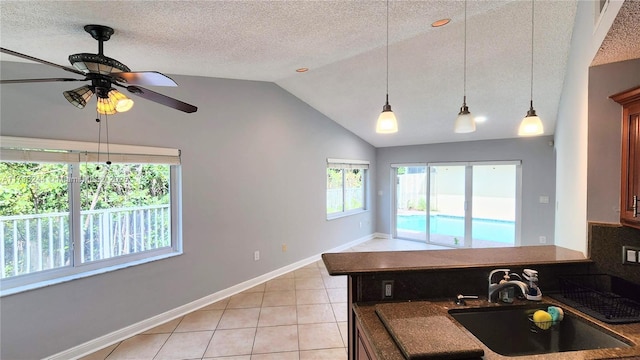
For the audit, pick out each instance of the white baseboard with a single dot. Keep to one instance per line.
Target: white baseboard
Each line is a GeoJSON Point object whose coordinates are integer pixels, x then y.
{"type": "Point", "coordinates": [144, 325]}
{"type": "Point", "coordinates": [382, 236]}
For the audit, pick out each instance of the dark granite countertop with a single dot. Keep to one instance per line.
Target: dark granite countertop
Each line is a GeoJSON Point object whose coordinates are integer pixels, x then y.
{"type": "Point", "coordinates": [350, 263]}
{"type": "Point", "coordinates": [386, 349]}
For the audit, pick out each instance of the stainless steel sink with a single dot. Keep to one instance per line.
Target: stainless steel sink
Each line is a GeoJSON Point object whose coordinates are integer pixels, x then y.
{"type": "Point", "coordinates": [508, 331]}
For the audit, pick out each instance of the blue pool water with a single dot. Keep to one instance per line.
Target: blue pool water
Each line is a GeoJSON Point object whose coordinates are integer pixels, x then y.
{"type": "Point", "coordinates": [482, 229]}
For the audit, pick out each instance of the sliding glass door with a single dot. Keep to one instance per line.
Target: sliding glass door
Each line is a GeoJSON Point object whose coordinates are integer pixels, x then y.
{"type": "Point", "coordinates": [447, 213]}
{"type": "Point", "coordinates": [411, 202]}
{"type": "Point", "coordinates": [458, 204]}
{"type": "Point", "coordinates": [494, 205]}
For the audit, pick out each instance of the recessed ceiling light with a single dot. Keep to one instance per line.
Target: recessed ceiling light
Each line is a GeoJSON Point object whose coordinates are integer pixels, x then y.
{"type": "Point", "coordinates": [441, 22]}
{"type": "Point", "coordinates": [301, 70]}
{"type": "Point", "coordinates": [480, 119]}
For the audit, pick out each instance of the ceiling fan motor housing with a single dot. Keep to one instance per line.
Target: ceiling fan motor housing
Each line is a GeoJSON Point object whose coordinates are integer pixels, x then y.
{"type": "Point", "coordinates": [96, 63]}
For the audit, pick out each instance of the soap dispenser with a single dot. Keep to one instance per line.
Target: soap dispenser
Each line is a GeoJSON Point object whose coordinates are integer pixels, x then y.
{"type": "Point", "coordinates": [531, 276]}
{"type": "Point", "coordinates": [507, 294]}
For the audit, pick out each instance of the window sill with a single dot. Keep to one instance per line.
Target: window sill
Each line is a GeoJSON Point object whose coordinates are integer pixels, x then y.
{"type": "Point", "coordinates": [345, 214]}
{"type": "Point", "coordinates": [83, 274]}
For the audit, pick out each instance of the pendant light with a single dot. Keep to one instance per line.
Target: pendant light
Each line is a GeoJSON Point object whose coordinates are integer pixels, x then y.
{"type": "Point", "coordinates": [531, 125]}
{"type": "Point", "coordinates": [464, 122]}
{"type": "Point", "coordinates": [387, 123]}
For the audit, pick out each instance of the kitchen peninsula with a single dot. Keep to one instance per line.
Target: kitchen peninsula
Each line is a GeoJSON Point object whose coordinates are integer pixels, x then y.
{"type": "Point", "coordinates": [432, 279]}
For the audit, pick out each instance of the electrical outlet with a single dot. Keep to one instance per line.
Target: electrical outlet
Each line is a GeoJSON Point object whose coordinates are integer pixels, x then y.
{"type": "Point", "coordinates": [284, 247]}
{"type": "Point", "coordinates": [387, 289]}
{"type": "Point", "coordinates": [542, 239]}
{"type": "Point", "coordinates": [630, 255]}
{"type": "Point", "coordinates": [256, 255]}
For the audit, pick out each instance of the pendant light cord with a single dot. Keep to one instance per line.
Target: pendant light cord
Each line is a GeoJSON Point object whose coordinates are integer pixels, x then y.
{"type": "Point", "coordinates": [106, 126]}
{"type": "Point", "coordinates": [387, 50]}
{"type": "Point", "coordinates": [532, 12]}
{"type": "Point", "coordinates": [464, 92]}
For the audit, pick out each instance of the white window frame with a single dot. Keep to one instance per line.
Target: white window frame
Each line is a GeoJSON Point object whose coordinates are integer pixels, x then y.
{"type": "Point", "coordinates": [27, 149]}
{"type": "Point", "coordinates": [333, 163]}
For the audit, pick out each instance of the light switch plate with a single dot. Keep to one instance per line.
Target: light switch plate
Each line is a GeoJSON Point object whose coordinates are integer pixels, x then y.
{"type": "Point", "coordinates": [630, 255]}
{"type": "Point", "coordinates": [387, 289]}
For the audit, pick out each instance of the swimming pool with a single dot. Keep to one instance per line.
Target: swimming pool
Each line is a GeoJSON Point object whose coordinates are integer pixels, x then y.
{"type": "Point", "coordinates": [482, 229]}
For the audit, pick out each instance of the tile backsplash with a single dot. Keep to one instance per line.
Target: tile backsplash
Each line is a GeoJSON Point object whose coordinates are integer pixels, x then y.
{"type": "Point", "coordinates": [605, 249]}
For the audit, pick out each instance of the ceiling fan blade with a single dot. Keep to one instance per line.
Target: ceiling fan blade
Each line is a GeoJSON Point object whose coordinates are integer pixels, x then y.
{"type": "Point", "coordinates": [162, 99]}
{"type": "Point", "coordinates": [147, 78]}
{"type": "Point", "coordinates": [17, 54]}
{"type": "Point", "coordinates": [19, 81]}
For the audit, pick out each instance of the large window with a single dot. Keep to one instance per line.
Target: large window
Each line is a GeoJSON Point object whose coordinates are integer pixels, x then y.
{"type": "Point", "coordinates": [65, 213]}
{"type": "Point", "coordinates": [346, 186]}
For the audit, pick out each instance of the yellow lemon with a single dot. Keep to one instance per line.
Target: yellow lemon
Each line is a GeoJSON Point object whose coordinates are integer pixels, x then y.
{"type": "Point", "coordinates": [542, 319]}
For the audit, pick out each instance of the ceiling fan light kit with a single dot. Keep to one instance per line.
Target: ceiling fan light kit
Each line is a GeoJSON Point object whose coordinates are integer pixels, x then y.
{"type": "Point", "coordinates": [104, 73]}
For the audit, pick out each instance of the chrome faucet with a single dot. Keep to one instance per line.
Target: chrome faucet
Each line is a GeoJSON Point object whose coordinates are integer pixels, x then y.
{"type": "Point", "coordinates": [496, 287]}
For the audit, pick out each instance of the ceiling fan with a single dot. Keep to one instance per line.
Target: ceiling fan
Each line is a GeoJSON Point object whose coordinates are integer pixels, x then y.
{"type": "Point", "coordinates": [104, 72]}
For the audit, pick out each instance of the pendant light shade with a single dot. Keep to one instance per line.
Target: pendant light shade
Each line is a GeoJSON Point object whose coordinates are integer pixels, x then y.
{"type": "Point", "coordinates": [531, 125]}
{"type": "Point", "coordinates": [387, 123]}
{"type": "Point", "coordinates": [464, 122]}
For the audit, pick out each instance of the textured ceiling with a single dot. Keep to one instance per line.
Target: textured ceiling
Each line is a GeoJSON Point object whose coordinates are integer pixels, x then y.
{"type": "Point", "coordinates": [623, 39]}
{"type": "Point", "coordinates": [343, 45]}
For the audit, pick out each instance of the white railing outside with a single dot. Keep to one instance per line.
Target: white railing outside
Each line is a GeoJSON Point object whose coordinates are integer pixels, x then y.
{"type": "Point", "coordinates": [31, 243]}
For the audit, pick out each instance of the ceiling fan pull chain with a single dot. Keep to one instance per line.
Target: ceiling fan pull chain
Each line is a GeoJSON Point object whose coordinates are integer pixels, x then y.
{"type": "Point", "coordinates": [106, 127]}
{"type": "Point", "coordinates": [99, 137]}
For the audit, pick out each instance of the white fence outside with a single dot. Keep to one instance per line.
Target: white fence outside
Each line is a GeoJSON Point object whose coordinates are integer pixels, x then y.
{"type": "Point", "coordinates": [353, 199]}
{"type": "Point", "coordinates": [31, 243]}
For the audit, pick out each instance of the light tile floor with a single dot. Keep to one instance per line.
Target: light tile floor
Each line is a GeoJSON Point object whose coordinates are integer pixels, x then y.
{"type": "Point", "coordinates": [301, 315]}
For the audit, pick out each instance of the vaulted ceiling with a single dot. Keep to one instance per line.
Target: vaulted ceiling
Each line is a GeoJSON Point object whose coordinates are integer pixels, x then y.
{"type": "Point", "coordinates": [343, 44]}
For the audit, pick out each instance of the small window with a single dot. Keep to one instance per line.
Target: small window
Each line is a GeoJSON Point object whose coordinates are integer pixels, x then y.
{"type": "Point", "coordinates": [346, 187]}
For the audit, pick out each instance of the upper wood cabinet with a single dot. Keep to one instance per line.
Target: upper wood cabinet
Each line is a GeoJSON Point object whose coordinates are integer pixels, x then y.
{"type": "Point", "coordinates": [630, 184]}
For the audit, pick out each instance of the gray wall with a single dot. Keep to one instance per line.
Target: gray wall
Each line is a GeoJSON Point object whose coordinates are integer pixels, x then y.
{"type": "Point", "coordinates": [538, 176]}
{"type": "Point", "coordinates": [571, 132]}
{"type": "Point", "coordinates": [254, 176]}
{"type": "Point", "coordinates": [605, 127]}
